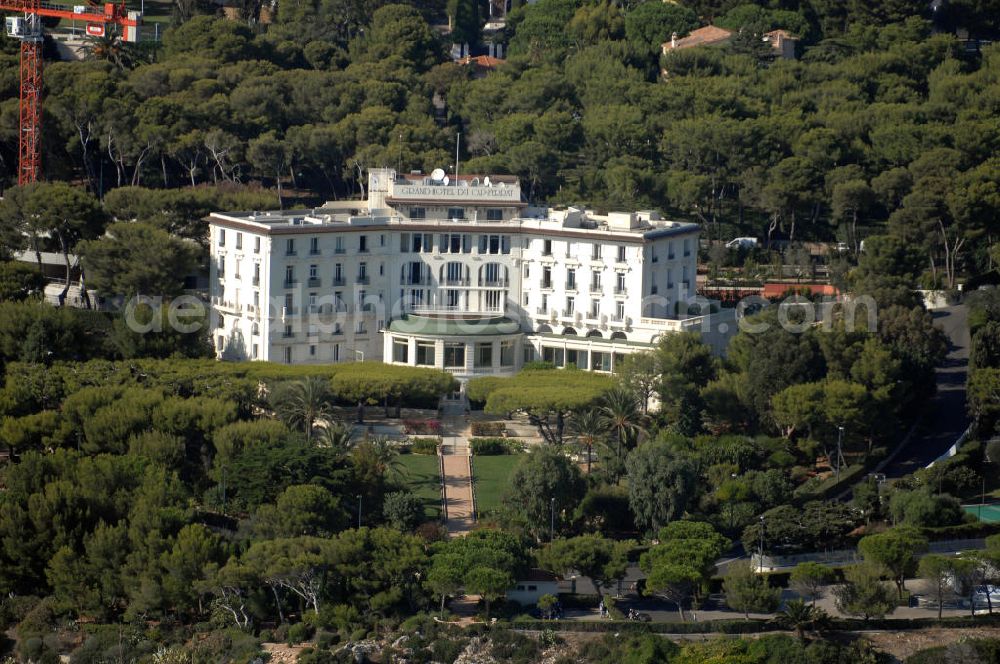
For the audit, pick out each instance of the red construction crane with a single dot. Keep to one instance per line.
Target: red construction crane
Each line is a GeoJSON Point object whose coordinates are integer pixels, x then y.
{"type": "Point", "coordinates": [28, 30]}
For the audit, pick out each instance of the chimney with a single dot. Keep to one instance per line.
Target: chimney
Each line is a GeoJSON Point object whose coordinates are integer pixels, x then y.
{"type": "Point", "coordinates": [673, 41]}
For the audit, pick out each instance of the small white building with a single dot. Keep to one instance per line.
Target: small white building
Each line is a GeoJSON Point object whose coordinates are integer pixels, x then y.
{"type": "Point", "coordinates": [530, 587]}
{"type": "Point", "coordinates": [456, 274]}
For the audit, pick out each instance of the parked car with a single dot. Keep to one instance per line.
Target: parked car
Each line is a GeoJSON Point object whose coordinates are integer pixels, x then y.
{"type": "Point", "coordinates": [742, 243]}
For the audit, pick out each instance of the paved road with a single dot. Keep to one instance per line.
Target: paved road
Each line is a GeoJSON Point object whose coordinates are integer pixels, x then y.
{"type": "Point", "coordinates": [457, 478]}
{"type": "Point", "coordinates": [946, 417]}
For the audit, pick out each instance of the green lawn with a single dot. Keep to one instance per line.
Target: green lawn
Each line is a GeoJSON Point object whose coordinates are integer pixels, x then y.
{"type": "Point", "coordinates": [492, 475]}
{"type": "Point", "coordinates": [423, 479]}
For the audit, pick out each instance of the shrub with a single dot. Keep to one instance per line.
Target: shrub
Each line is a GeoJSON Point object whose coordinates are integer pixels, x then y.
{"type": "Point", "coordinates": [424, 445]}
{"type": "Point", "coordinates": [299, 632]}
{"type": "Point", "coordinates": [495, 446]}
{"type": "Point", "coordinates": [488, 428]}
{"type": "Point", "coordinates": [422, 427]}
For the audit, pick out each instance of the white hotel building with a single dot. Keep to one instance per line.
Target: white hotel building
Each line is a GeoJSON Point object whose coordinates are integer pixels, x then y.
{"type": "Point", "coordinates": [458, 275]}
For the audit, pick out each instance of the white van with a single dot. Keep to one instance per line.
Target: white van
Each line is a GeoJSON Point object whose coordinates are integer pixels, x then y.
{"type": "Point", "coordinates": [742, 243]}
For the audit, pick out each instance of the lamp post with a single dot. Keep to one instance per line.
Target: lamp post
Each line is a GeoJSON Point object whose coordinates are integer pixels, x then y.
{"type": "Point", "coordinates": [761, 550]}
{"type": "Point", "coordinates": [552, 518]}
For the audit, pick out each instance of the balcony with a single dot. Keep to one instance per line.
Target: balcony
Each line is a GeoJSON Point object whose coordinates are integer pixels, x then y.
{"type": "Point", "coordinates": [315, 252]}
{"type": "Point", "coordinates": [568, 313]}
{"type": "Point", "coordinates": [619, 290]}
{"type": "Point", "coordinates": [571, 286]}
{"type": "Point", "coordinates": [291, 252]}
{"type": "Point", "coordinates": [256, 281]}
{"type": "Point", "coordinates": [406, 281]}
{"type": "Point", "coordinates": [455, 282]}
{"type": "Point", "coordinates": [339, 250]}
{"type": "Point", "coordinates": [655, 259]}
{"type": "Point", "coordinates": [291, 283]}
{"type": "Point", "coordinates": [289, 311]}
{"type": "Point", "coordinates": [670, 257]}
{"type": "Point", "coordinates": [495, 283]}
{"type": "Point", "coordinates": [542, 311]}
{"type": "Point", "coordinates": [287, 334]}
{"type": "Point", "coordinates": [313, 282]}
{"type": "Point", "coordinates": [596, 288]}
{"type": "Point", "coordinates": [362, 279]}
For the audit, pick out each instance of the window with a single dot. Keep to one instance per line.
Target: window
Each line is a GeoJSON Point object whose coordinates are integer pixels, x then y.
{"type": "Point", "coordinates": [289, 275]}
{"type": "Point", "coordinates": [288, 355]}
{"type": "Point", "coordinates": [401, 351]}
{"type": "Point", "coordinates": [404, 243]}
{"type": "Point", "coordinates": [595, 252]}
{"type": "Point", "coordinates": [290, 247]}
{"type": "Point", "coordinates": [255, 329]}
{"type": "Point", "coordinates": [621, 254]}
{"type": "Point", "coordinates": [236, 272]}
{"type": "Point", "coordinates": [289, 303]}
{"type": "Point", "coordinates": [546, 277]}
{"type": "Point", "coordinates": [450, 243]}
{"type": "Point", "coordinates": [595, 281]}
{"type": "Point", "coordinates": [453, 299]}
{"type": "Point", "coordinates": [619, 311]}
{"type": "Point", "coordinates": [338, 245]}
{"type": "Point", "coordinates": [527, 270]}
{"type": "Point", "coordinates": [221, 267]}
{"type": "Point", "coordinates": [425, 353]}
{"type": "Point", "coordinates": [494, 214]}
{"type": "Point", "coordinates": [654, 258]}
{"type": "Point", "coordinates": [256, 245]}
{"type": "Point", "coordinates": [456, 213]}
{"type": "Point", "coordinates": [546, 247]}
{"type": "Point", "coordinates": [239, 240]}
{"type": "Point", "coordinates": [553, 356]}
{"type": "Point", "coordinates": [570, 306]}
{"type": "Point", "coordinates": [454, 355]}
{"type": "Point", "coordinates": [494, 244]}
{"type": "Point", "coordinates": [256, 274]}
{"type": "Point", "coordinates": [484, 355]}
{"type": "Point", "coordinates": [314, 271]}
{"type": "Point", "coordinates": [254, 352]}
{"type": "Point", "coordinates": [620, 283]}
{"type": "Point", "coordinates": [312, 303]}
{"type": "Point", "coordinates": [418, 213]}
{"type": "Point", "coordinates": [220, 342]}
{"type": "Point", "coordinates": [287, 333]}
{"type": "Point", "coordinates": [222, 237]}
{"type": "Point", "coordinates": [423, 242]}
{"type": "Point", "coordinates": [670, 250]}
{"type": "Point", "coordinates": [504, 244]}
{"type": "Point", "coordinates": [362, 272]}
{"type": "Point", "coordinates": [336, 349]}
{"type": "Point", "coordinates": [381, 240]}
{"type": "Point", "coordinates": [545, 304]}
{"type": "Point", "coordinates": [363, 243]}
{"type": "Point", "coordinates": [595, 308]}
{"type": "Point", "coordinates": [256, 300]}
{"type": "Point", "coordinates": [600, 361]}
{"type": "Point", "coordinates": [314, 246]}
{"type": "Point", "coordinates": [506, 353]}
{"type": "Point", "coordinates": [570, 279]}
{"type": "Point", "coordinates": [338, 274]}
{"type": "Point", "coordinates": [687, 247]}
{"type": "Point", "coordinates": [312, 350]}
{"type": "Point", "coordinates": [525, 299]}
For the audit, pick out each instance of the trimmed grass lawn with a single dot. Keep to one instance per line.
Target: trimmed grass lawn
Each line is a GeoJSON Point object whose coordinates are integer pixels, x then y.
{"type": "Point", "coordinates": [424, 480]}
{"type": "Point", "coordinates": [492, 476]}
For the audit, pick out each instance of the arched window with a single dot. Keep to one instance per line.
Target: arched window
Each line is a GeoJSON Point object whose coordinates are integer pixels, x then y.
{"type": "Point", "coordinates": [569, 332]}
{"type": "Point", "coordinates": [454, 274]}
{"type": "Point", "coordinates": [543, 329]}
{"type": "Point", "coordinates": [255, 329]}
{"type": "Point", "coordinates": [493, 274]}
{"type": "Point", "coordinates": [595, 333]}
{"type": "Point", "coordinates": [619, 335]}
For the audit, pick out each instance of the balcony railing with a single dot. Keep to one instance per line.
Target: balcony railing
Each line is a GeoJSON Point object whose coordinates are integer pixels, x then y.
{"type": "Point", "coordinates": [291, 252]}
{"type": "Point", "coordinates": [289, 311]}
{"type": "Point", "coordinates": [339, 250]}
{"type": "Point", "coordinates": [496, 283]}
{"type": "Point", "coordinates": [422, 281]}
{"type": "Point", "coordinates": [619, 290]}
{"type": "Point", "coordinates": [362, 279]}
{"type": "Point", "coordinates": [291, 283]}
{"type": "Point", "coordinates": [315, 252]}
{"type": "Point", "coordinates": [546, 283]}
{"type": "Point", "coordinates": [256, 281]}
{"type": "Point", "coordinates": [571, 286]}
{"type": "Point", "coordinates": [596, 288]}
{"type": "Point", "coordinates": [338, 281]}
{"type": "Point", "coordinates": [542, 311]}
{"type": "Point", "coordinates": [314, 282]}
{"type": "Point", "coordinates": [455, 282]}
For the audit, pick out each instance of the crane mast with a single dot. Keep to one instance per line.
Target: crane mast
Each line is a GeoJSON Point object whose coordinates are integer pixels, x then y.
{"type": "Point", "coordinates": [27, 28]}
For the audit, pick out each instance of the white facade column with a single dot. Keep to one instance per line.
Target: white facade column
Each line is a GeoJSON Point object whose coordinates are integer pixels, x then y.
{"type": "Point", "coordinates": [439, 353]}
{"type": "Point", "coordinates": [411, 352]}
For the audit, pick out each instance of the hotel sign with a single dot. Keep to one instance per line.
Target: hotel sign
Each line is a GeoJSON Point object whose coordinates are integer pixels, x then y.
{"type": "Point", "coordinates": [430, 192]}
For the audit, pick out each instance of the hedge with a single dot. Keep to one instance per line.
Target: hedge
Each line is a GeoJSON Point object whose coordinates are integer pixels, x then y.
{"type": "Point", "coordinates": [424, 445]}
{"type": "Point", "coordinates": [488, 428]}
{"type": "Point", "coordinates": [975, 530]}
{"type": "Point", "coordinates": [495, 446]}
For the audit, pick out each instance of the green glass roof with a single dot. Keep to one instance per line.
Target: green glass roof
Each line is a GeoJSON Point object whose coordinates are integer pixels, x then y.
{"type": "Point", "coordinates": [443, 326]}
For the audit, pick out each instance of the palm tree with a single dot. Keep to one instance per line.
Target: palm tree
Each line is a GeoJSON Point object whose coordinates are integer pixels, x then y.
{"type": "Point", "coordinates": [622, 417]}
{"type": "Point", "coordinates": [300, 404]}
{"type": "Point", "coordinates": [800, 616]}
{"type": "Point", "coordinates": [586, 427]}
{"type": "Point", "coordinates": [378, 459]}
{"type": "Point", "coordinates": [110, 48]}
{"type": "Point", "coordinates": [336, 436]}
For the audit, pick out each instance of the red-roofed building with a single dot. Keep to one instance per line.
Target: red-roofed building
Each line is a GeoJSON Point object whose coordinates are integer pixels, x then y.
{"type": "Point", "coordinates": [781, 41]}
{"type": "Point", "coordinates": [483, 64]}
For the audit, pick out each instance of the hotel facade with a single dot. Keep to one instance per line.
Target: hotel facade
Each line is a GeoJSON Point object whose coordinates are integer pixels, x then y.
{"type": "Point", "coordinates": [456, 274]}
